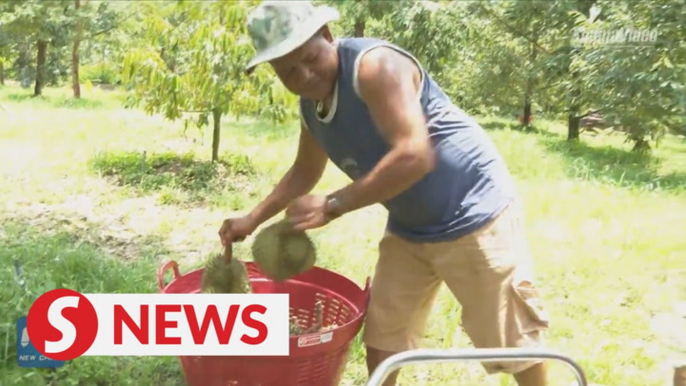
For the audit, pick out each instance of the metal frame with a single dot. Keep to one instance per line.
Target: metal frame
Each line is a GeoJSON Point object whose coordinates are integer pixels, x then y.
{"type": "Point", "coordinates": [399, 360]}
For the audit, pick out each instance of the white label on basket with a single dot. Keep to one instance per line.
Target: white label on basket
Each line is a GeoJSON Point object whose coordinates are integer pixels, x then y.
{"type": "Point", "coordinates": [314, 340]}
{"type": "Point", "coordinates": [327, 337]}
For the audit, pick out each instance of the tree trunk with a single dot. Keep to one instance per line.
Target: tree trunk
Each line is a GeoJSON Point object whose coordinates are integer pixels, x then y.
{"type": "Point", "coordinates": [640, 145]}
{"type": "Point", "coordinates": [216, 120]}
{"type": "Point", "coordinates": [2, 73]}
{"type": "Point", "coordinates": [526, 118]}
{"type": "Point", "coordinates": [574, 114]}
{"type": "Point", "coordinates": [75, 57]}
{"type": "Point", "coordinates": [573, 124]}
{"type": "Point", "coordinates": [75, 70]}
{"type": "Point", "coordinates": [40, 67]}
{"type": "Point", "coordinates": [359, 28]}
{"type": "Point", "coordinates": [574, 118]}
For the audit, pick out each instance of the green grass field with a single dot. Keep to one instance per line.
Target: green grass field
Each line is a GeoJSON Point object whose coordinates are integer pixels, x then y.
{"type": "Point", "coordinates": [85, 208]}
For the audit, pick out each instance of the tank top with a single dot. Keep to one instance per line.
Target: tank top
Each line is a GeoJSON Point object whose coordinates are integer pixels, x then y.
{"type": "Point", "coordinates": [470, 183]}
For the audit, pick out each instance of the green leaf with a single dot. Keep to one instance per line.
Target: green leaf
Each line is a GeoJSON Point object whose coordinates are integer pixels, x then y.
{"type": "Point", "coordinates": [667, 62]}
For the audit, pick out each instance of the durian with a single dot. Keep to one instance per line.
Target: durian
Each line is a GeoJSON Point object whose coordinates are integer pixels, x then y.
{"type": "Point", "coordinates": [318, 318]}
{"type": "Point", "coordinates": [225, 278]}
{"type": "Point", "coordinates": [294, 327]}
{"type": "Point", "coordinates": [317, 326]}
{"type": "Point", "coordinates": [281, 252]}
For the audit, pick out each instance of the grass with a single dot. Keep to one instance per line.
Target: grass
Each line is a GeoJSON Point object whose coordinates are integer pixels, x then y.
{"type": "Point", "coordinates": [58, 259]}
{"type": "Point", "coordinates": [83, 209]}
{"type": "Point", "coordinates": [179, 177]}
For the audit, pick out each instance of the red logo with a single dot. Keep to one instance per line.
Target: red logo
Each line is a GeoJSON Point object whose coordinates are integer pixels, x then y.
{"type": "Point", "coordinates": [62, 324]}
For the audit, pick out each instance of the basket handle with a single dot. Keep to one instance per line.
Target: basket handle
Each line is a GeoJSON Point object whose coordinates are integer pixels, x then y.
{"type": "Point", "coordinates": [367, 284]}
{"type": "Point", "coordinates": [366, 290]}
{"type": "Point", "coordinates": [163, 269]}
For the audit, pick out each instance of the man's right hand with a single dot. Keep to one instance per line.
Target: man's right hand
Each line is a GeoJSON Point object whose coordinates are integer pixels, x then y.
{"type": "Point", "coordinates": [236, 229]}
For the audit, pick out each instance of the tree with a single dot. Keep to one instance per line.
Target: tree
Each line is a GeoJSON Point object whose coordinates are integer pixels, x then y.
{"type": "Point", "coordinates": [357, 13]}
{"type": "Point", "coordinates": [98, 20]}
{"type": "Point", "coordinates": [43, 23]}
{"type": "Point", "coordinates": [523, 54]}
{"type": "Point", "coordinates": [574, 84]}
{"type": "Point", "coordinates": [414, 22]}
{"type": "Point", "coordinates": [194, 64]}
{"type": "Point", "coordinates": [56, 28]}
{"type": "Point", "coordinates": [635, 70]}
{"type": "Point", "coordinates": [78, 35]}
{"type": "Point", "coordinates": [407, 24]}
{"type": "Point", "coordinates": [6, 49]}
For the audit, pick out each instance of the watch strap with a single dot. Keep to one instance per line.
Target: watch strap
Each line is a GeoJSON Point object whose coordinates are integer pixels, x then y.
{"type": "Point", "coordinates": [333, 206]}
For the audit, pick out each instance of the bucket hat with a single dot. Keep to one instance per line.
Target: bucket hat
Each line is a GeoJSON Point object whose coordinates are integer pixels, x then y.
{"type": "Point", "coordinates": [279, 27]}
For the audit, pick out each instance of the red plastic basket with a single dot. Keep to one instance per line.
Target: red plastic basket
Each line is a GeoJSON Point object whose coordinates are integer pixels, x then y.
{"type": "Point", "coordinates": [315, 359]}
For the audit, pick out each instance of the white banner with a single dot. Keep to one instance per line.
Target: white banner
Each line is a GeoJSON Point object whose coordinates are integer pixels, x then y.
{"type": "Point", "coordinates": [63, 325]}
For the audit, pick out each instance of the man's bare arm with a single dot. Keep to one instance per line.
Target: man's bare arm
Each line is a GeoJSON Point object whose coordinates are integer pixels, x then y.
{"type": "Point", "coordinates": [388, 84]}
{"type": "Point", "coordinates": [300, 179]}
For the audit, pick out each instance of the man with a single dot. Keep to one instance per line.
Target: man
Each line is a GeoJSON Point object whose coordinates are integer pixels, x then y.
{"type": "Point", "coordinates": [453, 215]}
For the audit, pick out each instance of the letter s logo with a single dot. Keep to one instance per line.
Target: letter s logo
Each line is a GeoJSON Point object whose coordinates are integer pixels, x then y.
{"type": "Point", "coordinates": [249, 321]}
{"type": "Point", "coordinates": [62, 324]}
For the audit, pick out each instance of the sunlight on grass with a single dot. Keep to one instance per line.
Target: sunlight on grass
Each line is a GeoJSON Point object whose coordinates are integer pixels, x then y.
{"type": "Point", "coordinates": [179, 177]}
{"type": "Point", "coordinates": [605, 226]}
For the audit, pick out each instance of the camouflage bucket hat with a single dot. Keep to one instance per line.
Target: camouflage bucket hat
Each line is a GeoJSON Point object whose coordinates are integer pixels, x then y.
{"type": "Point", "coordinates": [279, 27]}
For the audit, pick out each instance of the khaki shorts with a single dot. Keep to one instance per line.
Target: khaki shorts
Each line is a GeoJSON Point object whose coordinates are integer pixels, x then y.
{"type": "Point", "coordinates": [490, 274]}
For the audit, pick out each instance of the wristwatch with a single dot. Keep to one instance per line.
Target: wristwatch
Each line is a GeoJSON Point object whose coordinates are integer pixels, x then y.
{"type": "Point", "coordinates": [333, 206]}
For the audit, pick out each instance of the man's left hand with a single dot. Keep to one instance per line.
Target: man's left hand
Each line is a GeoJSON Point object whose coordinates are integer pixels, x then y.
{"type": "Point", "coordinates": [308, 212]}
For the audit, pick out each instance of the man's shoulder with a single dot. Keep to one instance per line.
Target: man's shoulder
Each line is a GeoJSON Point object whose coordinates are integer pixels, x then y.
{"type": "Point", "coordinates": [360, 43]}
{"type": "Point", "coordinates": [372, 49]}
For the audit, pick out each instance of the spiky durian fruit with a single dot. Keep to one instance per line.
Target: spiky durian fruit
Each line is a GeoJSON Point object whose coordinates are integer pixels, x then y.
{"type": "Point", "coordinates": [317, 326]}
{"type": "Point", "coordinates": [282, 253]}
{"type": "Point", "coordinates": [294, 327]}
{"type": "Point", "coordinates": [225, 278]}
{"type": "Point", "coordinates": [318, 318]}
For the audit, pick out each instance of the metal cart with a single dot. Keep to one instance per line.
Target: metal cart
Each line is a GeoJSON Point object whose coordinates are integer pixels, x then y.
{"type": "Point", "coordinates": [399, 360]}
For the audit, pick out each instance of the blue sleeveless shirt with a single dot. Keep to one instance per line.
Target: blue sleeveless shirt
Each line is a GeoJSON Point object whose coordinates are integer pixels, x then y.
{"type": "Point", "coordinates": [470, 183]}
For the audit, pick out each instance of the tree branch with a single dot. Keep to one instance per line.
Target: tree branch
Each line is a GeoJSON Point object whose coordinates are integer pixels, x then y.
{"type": "Point", "coordinates": [514, 30]}
{"type": "Point", "coordinates": [106, 30]}
{"type": "Point", "coordinates": [590, 112]}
